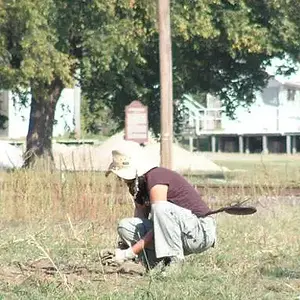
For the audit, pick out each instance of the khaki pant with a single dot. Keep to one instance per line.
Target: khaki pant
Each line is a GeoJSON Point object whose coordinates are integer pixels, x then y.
{"type": "Point", "coordinates": [177, 232]}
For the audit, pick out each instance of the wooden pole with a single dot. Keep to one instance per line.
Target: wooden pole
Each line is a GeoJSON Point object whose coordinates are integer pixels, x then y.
{"type": "Point", "coordinates": [77, 106]}
{"type": "Point", "coordinates": [166, 84]}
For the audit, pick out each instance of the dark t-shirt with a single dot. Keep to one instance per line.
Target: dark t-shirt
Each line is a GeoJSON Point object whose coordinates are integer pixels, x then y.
{"type": "Point", "coordinates": [180, 191]}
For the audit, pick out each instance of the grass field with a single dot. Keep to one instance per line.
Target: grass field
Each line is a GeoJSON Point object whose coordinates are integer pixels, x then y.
{"type": "Point", "coordinates": [257, 169]}
{"type": "Point", "coordinates": [54, 227]}
{"type": "Point", "coordinates": [252, 162]}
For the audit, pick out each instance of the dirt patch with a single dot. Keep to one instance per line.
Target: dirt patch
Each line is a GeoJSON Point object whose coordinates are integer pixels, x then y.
{"type": "Point", "coordinates": [43, 270]}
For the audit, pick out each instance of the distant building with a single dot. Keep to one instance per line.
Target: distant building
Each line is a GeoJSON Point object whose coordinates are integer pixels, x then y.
{"type": "Point", "coordinates": [270, 125]}
{"type": "Point", "coordinates": [66, 114]}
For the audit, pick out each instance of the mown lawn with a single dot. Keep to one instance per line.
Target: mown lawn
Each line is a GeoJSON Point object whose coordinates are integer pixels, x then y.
{"type": "Point", "coordinates": [254, 169]}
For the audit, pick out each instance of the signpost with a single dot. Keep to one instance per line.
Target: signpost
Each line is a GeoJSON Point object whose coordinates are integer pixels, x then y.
{"type": "Point", "coordinates": [136, 122]}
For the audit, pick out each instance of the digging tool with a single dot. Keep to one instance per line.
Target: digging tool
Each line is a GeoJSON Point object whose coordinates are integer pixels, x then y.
{"type": "Point", "coordinates": [234, 210]}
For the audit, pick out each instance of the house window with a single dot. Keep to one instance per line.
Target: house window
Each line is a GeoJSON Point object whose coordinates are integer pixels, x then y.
{"type": "Point", "coordinates": [291, 94]}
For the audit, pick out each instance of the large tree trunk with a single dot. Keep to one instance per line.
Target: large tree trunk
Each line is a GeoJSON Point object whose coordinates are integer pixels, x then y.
{"type": "Point", "coordinates": [42, 112]}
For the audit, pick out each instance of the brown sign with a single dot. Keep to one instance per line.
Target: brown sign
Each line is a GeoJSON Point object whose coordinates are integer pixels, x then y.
{"type": "Point", "coordinates": [136, 122]}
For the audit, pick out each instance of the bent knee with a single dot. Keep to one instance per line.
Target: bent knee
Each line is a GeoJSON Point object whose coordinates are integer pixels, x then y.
{"type": "Point", "coordinates": [124, 226]}
{"type": "Point", "coordinates": [132, 229]}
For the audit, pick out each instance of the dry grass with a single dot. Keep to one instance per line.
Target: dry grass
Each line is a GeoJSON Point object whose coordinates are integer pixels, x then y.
{"type": "Point", "coordinates": [66, 219]}
{"type": "Point", "coordinates": [29, 195]}
{"type": "Point", "coordinates": [257, 169]}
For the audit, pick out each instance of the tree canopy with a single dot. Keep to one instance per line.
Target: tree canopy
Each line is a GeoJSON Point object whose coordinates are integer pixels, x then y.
{"type": "Point", "coordinates": [221, 47]}
{"type": "Point", "coordinates": [46, 44]}
{"type": "Point", "coordinates": [111, 46]}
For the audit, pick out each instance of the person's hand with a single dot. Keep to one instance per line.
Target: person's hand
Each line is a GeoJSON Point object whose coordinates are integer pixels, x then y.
{"type": "Point", "coordinates": [117, 256]}
{"type": "Point", "coordinates": [124, 255]}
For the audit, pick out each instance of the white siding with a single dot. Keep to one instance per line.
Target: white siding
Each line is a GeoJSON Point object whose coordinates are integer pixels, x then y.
{"type": "Point", "coordinates": [19, 116]}
{"type": "Point", "coordinates": [272, 112]}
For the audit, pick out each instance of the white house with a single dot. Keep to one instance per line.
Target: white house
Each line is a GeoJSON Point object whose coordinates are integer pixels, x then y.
{"type": "Point", "coordinates": [271, 124]}
{"type": "Point", "coordinates": [67, 114]}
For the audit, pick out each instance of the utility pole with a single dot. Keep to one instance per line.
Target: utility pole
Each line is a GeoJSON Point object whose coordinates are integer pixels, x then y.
{"type": "Point", "coordinates": [166, 84]}
{"type": "Point", "coordinates": [77, 106]}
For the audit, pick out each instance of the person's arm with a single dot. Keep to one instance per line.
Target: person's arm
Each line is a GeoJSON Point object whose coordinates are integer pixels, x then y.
{"type": "Point", "coordinates": [141, 211]}
{"type": "Point", "coordinates": [157, 193]}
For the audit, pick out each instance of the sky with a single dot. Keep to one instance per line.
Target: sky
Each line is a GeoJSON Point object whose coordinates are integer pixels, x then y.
{"type": "Point", "coordinates": [277, 62]}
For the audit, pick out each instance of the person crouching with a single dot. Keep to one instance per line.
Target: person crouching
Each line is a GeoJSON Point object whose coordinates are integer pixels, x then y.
{"type": "Point", "coordinates": [169, 220]}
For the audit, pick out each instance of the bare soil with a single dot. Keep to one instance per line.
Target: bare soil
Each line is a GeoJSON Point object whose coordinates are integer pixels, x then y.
{"type": "Point", "coordinates": [44, 270]}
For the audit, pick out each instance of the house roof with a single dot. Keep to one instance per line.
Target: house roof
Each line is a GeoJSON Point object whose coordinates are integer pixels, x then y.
{"type": "Point", "coordinates": [193, 102]}
{"type": "Point", "coordinates": [293, 83]}
{"type": "Point", "coordinates": [276, 81]}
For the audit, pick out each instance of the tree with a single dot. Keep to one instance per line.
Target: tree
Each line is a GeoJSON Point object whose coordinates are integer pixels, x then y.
{"type": "Point", "coordinates": [42, 45]}
{"type": "Point", "coordinates": [30, 60]}
{"type": "Point", "coordinates": [97, 118]}
{"type": "Point", "coordinates": [219, 47]}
